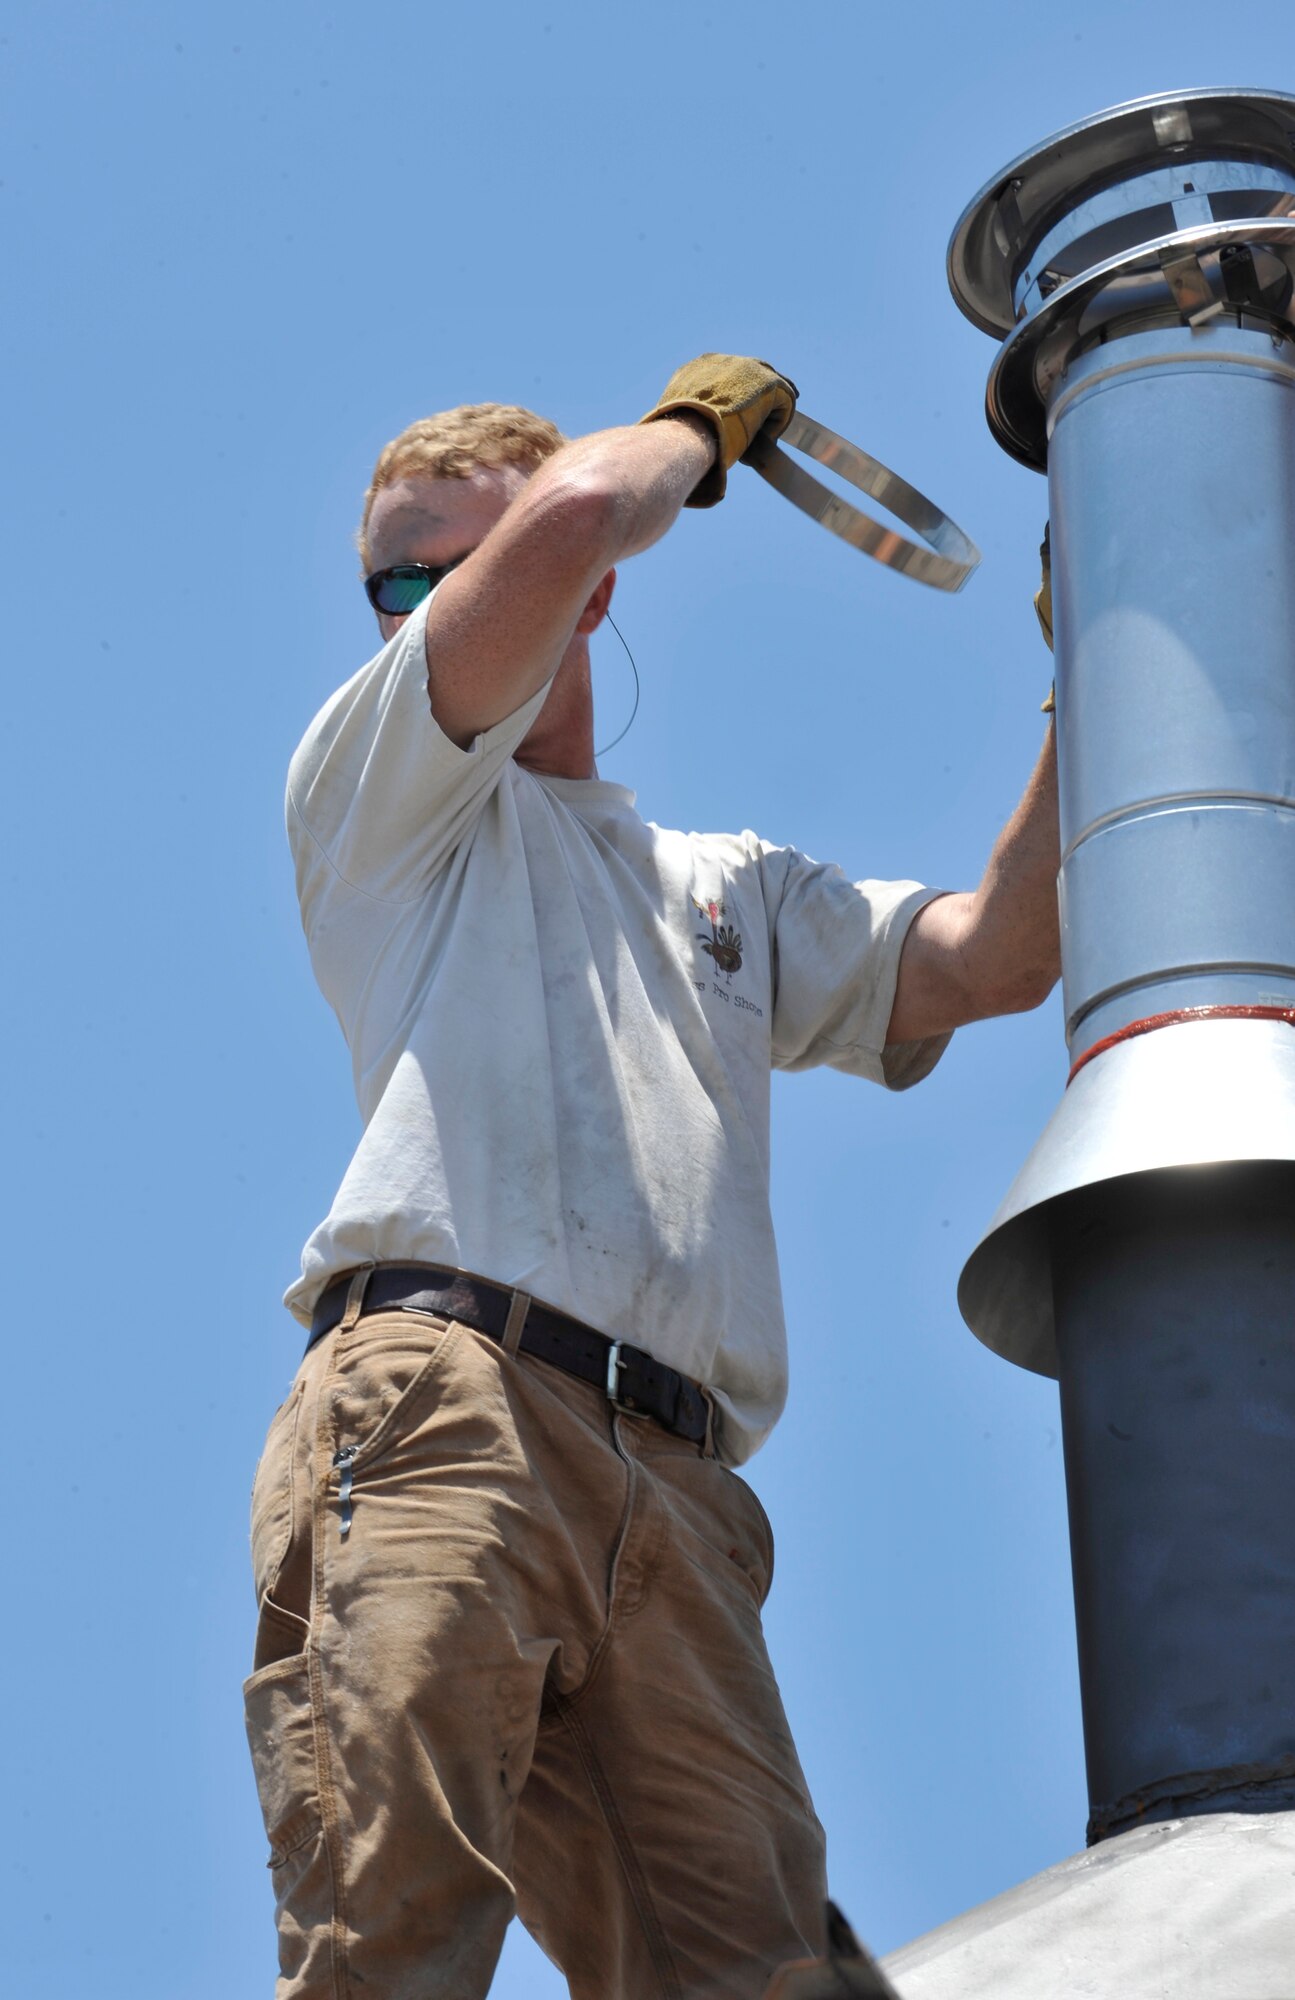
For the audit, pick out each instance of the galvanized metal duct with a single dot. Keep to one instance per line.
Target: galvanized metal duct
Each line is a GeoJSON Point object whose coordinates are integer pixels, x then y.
{"type": "Point", "coordinates": [1142, 268]}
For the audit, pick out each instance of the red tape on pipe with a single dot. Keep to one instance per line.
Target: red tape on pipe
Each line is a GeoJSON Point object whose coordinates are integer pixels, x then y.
{"type": "Point", "coordinates": [1149, 1025]}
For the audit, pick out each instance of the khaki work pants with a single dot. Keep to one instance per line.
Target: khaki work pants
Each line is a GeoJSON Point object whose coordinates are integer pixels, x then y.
{"type": "Point", "coordinates": [517, 1666]}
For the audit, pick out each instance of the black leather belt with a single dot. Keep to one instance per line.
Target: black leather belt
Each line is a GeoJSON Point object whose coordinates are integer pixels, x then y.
{"type": "Point", "coordinates": [631, 1379]}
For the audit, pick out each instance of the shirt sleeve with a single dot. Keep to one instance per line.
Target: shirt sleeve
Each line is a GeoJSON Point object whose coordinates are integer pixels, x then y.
{"type": "Point", "coordinates": [378, 795]}
{"type": "Point", "coordinates": [835, 947]}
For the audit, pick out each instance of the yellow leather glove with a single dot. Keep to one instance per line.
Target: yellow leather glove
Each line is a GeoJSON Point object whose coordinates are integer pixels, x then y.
{"type": "Point", "coordinates": [1043, 606]}
{"type": "Point", "coordinates": [739, 398]}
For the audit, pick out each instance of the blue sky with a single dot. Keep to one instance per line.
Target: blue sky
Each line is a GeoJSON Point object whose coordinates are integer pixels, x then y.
{"type": "Point", "coordinates": [244, 246]}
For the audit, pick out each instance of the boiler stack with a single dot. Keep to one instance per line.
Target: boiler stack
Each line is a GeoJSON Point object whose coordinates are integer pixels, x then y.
{"type": "Point", "coordinates": [1138, 270]}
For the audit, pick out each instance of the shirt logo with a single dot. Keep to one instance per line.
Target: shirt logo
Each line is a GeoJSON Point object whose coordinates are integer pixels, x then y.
{"type": "Point", "coordinates": [724, 943]}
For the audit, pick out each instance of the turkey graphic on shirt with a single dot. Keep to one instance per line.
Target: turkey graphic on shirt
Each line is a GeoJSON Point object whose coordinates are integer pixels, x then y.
{"type": "Point", "coordinates": [724, 943]}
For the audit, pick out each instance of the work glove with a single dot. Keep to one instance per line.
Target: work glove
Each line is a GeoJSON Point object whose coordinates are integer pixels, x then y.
{"type": "Point", "coordinates": [740, 398]}
{"type": "Point", "coordinates": [1043, 607]}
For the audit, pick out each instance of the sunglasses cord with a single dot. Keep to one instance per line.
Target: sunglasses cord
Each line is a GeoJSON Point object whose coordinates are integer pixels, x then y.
{"type": "Point", "coordinates": [637, 691]}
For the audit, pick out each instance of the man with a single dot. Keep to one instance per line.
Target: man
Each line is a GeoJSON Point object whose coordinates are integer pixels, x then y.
{"type": "Point", "coordinates": [509, 1652]}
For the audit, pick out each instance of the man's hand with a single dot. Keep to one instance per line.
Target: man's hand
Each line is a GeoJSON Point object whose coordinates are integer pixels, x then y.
{"type": "Point", "coordinates": [739, 398]}
{"type": "Point", "coordinates": [1043, 595]}
{"type": "Point", "coordinates": [1043, 607]}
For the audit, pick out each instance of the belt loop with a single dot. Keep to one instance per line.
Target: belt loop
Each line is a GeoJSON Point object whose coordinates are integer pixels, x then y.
{"type": "Point", "coordinates": [708, 1449]}
{"type": "Point", "coordinates": [355, 1297]}
{"type": "Point", "coordinates": [518, 1307]}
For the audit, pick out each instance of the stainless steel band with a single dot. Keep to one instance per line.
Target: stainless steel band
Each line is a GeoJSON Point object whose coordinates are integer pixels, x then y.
{"type": "Point", "coordinates": [950, 555]}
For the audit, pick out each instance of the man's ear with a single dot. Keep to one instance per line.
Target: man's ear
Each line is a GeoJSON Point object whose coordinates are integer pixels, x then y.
{"type": "Point", "coordinates": [596, 610]}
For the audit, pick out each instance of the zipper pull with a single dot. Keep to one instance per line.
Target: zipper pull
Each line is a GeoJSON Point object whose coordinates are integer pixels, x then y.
{"type": "Point", "coordinates": [345, 1458]}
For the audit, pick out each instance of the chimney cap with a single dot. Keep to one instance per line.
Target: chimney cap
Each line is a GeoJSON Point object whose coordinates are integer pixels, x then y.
{"type": "Point", "coordinates": [1000, 228]}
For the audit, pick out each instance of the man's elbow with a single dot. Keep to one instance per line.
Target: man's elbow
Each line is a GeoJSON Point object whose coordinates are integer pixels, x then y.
{"type": "Point", "coordinates": [578, 502]}
{"type": "Point", "coordinates": [575, 510]}
{"type": "Point", "coordinates": [955, 970]}
{"type": "Point", "coordinates": [1014, 988]}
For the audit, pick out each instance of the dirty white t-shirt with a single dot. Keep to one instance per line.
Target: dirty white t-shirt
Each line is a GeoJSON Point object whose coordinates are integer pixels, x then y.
{"type": "Point", "coordinates": [562, 1022]}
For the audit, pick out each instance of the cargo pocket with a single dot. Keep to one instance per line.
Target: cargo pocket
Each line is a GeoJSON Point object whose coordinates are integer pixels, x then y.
{"type": "Point", "coordinates": [281, 1737]}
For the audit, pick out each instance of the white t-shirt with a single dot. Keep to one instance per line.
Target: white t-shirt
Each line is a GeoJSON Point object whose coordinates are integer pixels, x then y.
{"type": "Point", "coordinates": [562, 1021]}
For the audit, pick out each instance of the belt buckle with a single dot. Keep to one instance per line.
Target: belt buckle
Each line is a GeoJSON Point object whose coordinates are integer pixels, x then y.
{"type": "Point", "coordinates": [612, 1382]}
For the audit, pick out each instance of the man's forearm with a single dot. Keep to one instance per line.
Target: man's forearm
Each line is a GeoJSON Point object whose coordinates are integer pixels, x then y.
{"type": "Point", "coordinates": [501, 621]}
{"type": "Point", "coordinates": [997, 949]}
{"type": "Point", "coordinates": [1014, 939]}
{"type": "Point", "coordinates": [636, 479]}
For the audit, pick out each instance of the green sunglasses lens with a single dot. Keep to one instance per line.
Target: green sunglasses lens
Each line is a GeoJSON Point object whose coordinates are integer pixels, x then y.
{"type": "Point", "coordinates": [402, 590]}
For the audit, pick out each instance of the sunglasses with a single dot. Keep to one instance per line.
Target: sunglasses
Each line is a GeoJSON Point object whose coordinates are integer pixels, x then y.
{"type": "Point", "coordinates": [403, 587]}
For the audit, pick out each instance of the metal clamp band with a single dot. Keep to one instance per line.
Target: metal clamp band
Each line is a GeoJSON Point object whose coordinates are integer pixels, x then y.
{"type": "Point", "coordinates": [945, 563]}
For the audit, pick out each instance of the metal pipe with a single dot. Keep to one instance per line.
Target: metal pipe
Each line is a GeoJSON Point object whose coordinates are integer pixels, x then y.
{"type": "Point", "coordinates": [1142, 267]}
{"type": "Point", "coordinates": [1171, 488]}
{"type": "Point", "coordinates": [1175, 1304]}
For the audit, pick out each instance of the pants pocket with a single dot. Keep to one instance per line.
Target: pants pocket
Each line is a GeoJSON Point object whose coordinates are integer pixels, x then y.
{"type": "Point", "coordinates": [276, 1499]}
{"type": "Point", "coordinates": [764, 1529]}
{"type": "Point", "coordinates": [755, 1542]}
{"type": "Point", "coordinates": [382, 1372]}
{"type": "Point", "coordinates": [385, 1378]}
{"type": "Point", "coordinates": [281, 1737]}
{"type": "Point", "coordinates": [280, 1635]}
